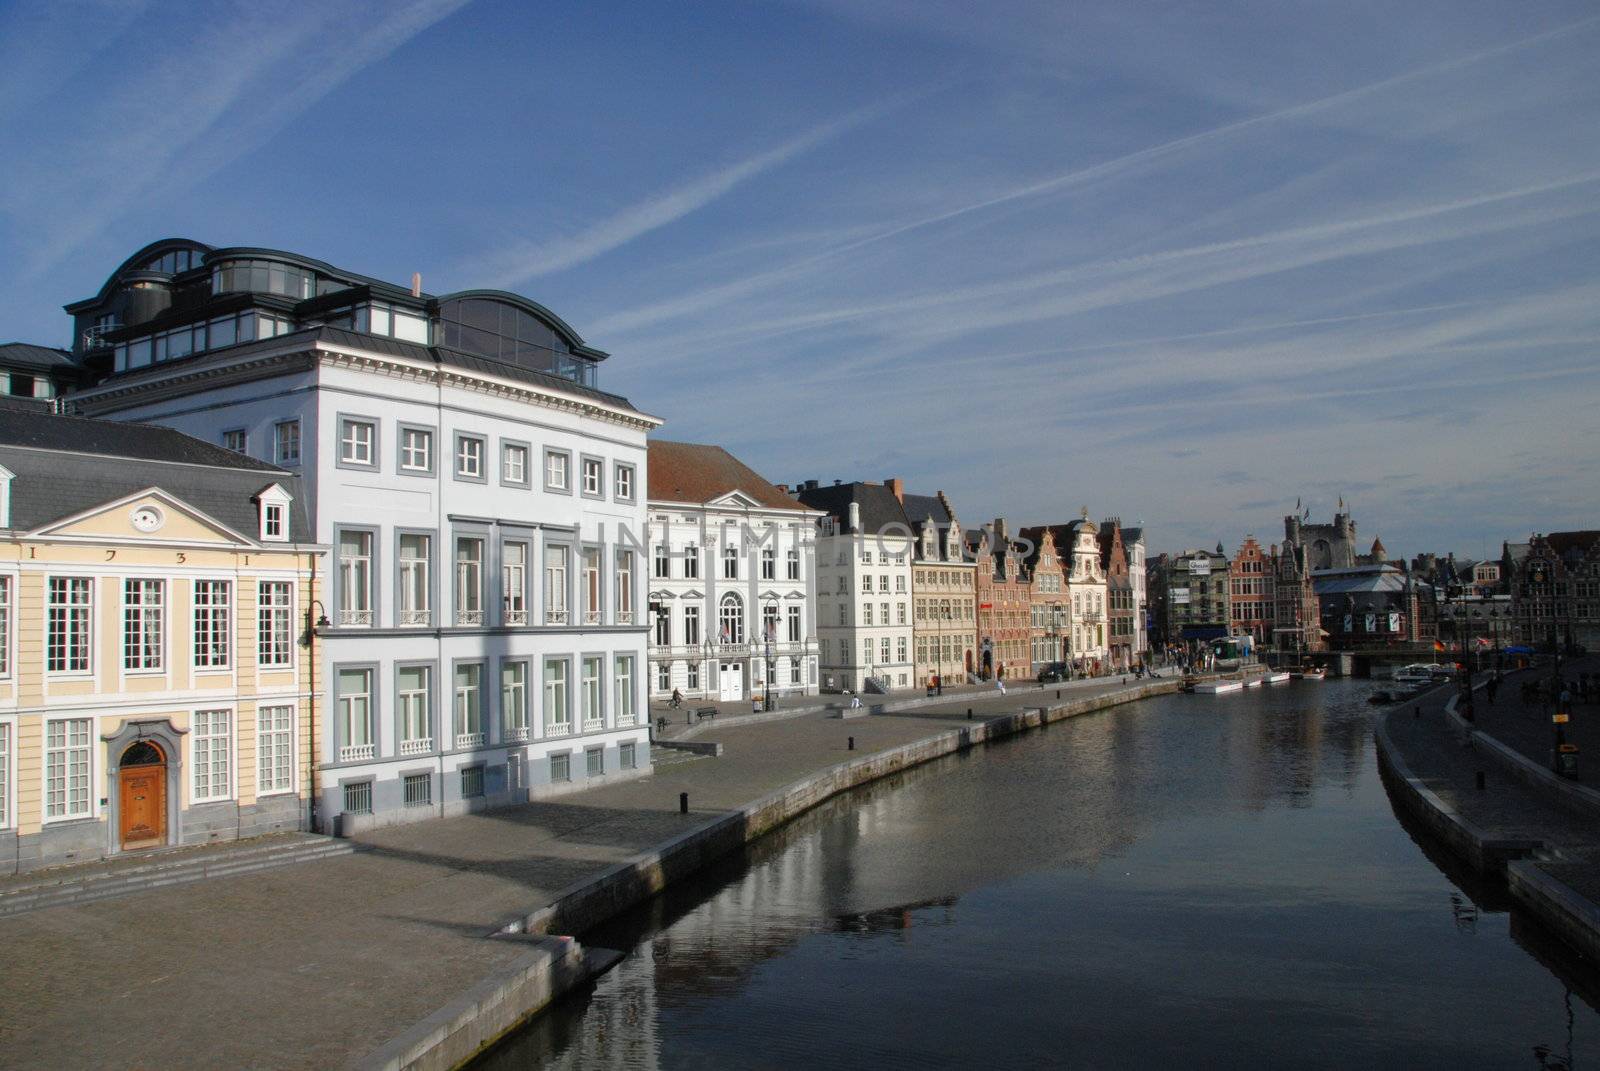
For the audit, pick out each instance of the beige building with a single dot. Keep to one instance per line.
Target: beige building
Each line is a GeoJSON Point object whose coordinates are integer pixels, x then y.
{"type": "Point", "coordinates": [156, 671]}
{"type": "Point", "coordinates": [943, 592]}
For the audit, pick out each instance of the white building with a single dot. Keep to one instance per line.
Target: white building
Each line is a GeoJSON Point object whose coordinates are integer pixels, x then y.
{"type": "Point", "coordinates": [1133, 546]}
{"type": "Point", "coordinates": [864, 548]}
{"type": "Point", "coordinates": [484, 635]}
{"type": "Point", "coordinates": [1086, 590]}
{"type": "Point", "coordinates": [733, 579]}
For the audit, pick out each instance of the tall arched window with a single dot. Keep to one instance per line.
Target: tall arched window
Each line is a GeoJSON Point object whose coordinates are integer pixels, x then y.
{"type": "Point", "coordinates": [731, 617]}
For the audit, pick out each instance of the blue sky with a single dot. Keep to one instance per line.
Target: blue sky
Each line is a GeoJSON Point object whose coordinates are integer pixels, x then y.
{"type": "Point", "coordinates": [1183, 263]}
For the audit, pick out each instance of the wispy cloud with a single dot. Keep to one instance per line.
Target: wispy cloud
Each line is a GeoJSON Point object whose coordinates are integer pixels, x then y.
{"type": "Point", "coordinates": [530, 258]}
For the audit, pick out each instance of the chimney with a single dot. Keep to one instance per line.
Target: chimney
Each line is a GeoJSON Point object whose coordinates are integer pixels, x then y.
{"type": "Point", "coordinates": [897, 487]}
{"type": "Point", "coordinates": [855, 516]}
{"type": "Point", "coordinates": [783, 487]}
{"type": "Point", "coordinates": [1000, 529]}
{"type": "Point", "coordinates": [416, 284]}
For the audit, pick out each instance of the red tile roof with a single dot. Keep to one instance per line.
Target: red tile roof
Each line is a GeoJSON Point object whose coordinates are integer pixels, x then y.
{"type": "Point", "coordinates": [693, 472]}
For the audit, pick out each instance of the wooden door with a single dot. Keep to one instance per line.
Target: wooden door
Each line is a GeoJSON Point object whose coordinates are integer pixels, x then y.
{"type": "Point", "coordinates": [143, 805]}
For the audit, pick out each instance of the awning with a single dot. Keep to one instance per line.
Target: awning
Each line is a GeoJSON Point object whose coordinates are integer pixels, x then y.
{"type": "Point", "coordinates": [1204, 632]}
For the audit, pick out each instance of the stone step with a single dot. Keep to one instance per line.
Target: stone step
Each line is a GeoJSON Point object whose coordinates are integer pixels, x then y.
{"type": "Point", "coordinates": [64, 887]}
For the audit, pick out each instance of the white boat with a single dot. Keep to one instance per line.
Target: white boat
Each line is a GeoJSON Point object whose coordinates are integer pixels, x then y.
{"type": "Point", "coordinates": [1416, 673]}
{"type": "Point", "coordinates": [1311, 673]}
{"type": "Point", "coordinates": [1215, 687]}
{"type": "Point", "coordinates": [1275, 678]}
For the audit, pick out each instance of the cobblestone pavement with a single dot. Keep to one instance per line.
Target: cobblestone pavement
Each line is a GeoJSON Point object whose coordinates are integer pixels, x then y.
{"type": "Point", "coordinates": [316, 964]}
{"type": "Point", "coordinates": [1524, 723]}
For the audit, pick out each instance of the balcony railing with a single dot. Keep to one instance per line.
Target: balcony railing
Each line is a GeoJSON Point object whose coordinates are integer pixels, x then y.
{"type": "Point", "coordinates": [355, 618]}
{"type": "Point", "coordinates": [591, 617]}
{"type": "Point", "coordinates": [517, 734]}
{"type": "Point", "coordinates": [555, 617]}
{"type": "Point", "coordinates": [415, 618]}
{"type": "Point", "coordinates": [357, 752]}
{"type": "Point", "coordinates": [558, 728]}
{"type": "Point", "coordinates": [469, 740]}
{"type": "Point", "coordinates": [418, 746]}
{"type": "Point", "coordinates": [624, 617]}
{"type": "Point", "coordinates": [469, 617]}
{"type": "Point", "coordinates": [516, 617]}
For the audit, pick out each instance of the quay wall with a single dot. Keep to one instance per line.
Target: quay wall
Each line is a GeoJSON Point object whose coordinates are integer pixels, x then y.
{"type": "Point", "coordinates": [465, 1027]}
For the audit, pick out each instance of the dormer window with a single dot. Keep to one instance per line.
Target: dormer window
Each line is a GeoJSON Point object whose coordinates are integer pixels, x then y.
{"type": "Point", "coordinates": [273, 503]}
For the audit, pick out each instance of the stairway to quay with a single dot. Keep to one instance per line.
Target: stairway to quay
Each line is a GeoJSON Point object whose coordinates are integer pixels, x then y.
{"type": "Point", "coordinates": [1486, 789]}
{"type": "Point", "coordinates": [415, 946]}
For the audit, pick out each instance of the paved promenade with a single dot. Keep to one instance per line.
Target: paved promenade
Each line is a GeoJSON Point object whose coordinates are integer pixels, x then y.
{"type": "Point", "coordinates": [317, 964]}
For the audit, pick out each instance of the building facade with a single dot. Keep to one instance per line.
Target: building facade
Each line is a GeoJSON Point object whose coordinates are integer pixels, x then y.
{"type": "Point", "coordinates": [486, 637]}
{"type": "Point", "coordinates": [1004, 602]}
{"type": "Point", "coordinates": [156, 676]}
{"type": "Point", "coordinates": [1121, 613]}
{"type": "Point", "coordinates": [864, 550]}
{"type": "Point", "coordinates": [1197, 596]}
{"type": "Point", "coordinates": [1049, 602]}
{"type": "Point", "coordinates": [943, 592]}
{"type": "Point", "coordinates": [1554, 583]}
{"type": "Point", "coordinates": [1076, 547]}
{"type": "Point", "coordinates": [1252, 593]}
{"type": "Point", "coordinates": [1138, 576]}
{"type": "Point", "coordinates": [732, 579]}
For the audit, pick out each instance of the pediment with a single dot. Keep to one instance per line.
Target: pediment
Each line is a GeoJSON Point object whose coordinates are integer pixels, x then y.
{"type": "Point", "coordinates": [148, 516]}
{"type": "Point", "coordinates": [735, 499]}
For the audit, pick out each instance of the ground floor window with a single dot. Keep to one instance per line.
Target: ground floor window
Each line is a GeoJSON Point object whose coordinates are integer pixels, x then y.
{"type": "Point", "coordinates": [624, 690]}
{"type": "Point", "coordinates": [358, 797]}
{"type": "Point", "coordinates": [663, 676]}
{"type": "Point", "coordinates": [557, 711]}
{"type": "Point", "coordinates": [471, 782]}
{"type": "Point", "coordinates": [596, 761]}
{"type": "Point", "coordinates": [419, 789]}
{"type": "Point", "coordinates": [212, 742]}
{"type": "Point", "coordinates": [275, 749]}
{"type": "Point", "coordinates": [627, 755]}
{"type": "Point", "coordinates": [692, 677]}
{"type": "Point", "coordinates": [560, 768]}
{"type": "Point", "coordinates": [66, 764]}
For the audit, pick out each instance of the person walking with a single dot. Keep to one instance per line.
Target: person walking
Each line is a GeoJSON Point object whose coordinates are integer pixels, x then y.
{"type": "Point", "coordinates": [677, 699]}
{"type": "Point", "coordinates": [855, 701]}
{"type": "Point", "coordinates": [1000, 684]}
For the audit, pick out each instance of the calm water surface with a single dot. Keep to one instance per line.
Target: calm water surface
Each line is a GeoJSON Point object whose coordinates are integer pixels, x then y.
{"type": "Point", "coordinates": [1195, 880]}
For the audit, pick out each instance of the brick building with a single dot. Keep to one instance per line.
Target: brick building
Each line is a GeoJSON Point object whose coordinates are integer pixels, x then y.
{"type": "Point", "coordinates": [1252, 608]}
{"type": "Point", "coordinates": [1004, 601]}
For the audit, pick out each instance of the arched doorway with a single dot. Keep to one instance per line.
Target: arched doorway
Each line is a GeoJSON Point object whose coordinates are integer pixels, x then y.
{"type": "Point", "coordinates": [142, 796]}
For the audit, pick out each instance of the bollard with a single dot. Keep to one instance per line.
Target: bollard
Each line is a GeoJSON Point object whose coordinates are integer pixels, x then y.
{"type": "Point", "coordinates": [1058, 693]}
{"type": "Point", "coordinates": [688, 717]}
{"type": "Point", "coordinates": [1416, 712]}
{"type": "Point", "coordinates": [683, 803]}
{"type": "Point", "coordinates": [1480, 780]}
{"type": "Point", "coordinates": [852, 745]}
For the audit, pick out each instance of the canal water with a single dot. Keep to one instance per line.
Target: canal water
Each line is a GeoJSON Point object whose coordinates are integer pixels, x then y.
{"type": "Point", "coordinates": [1192, 880]}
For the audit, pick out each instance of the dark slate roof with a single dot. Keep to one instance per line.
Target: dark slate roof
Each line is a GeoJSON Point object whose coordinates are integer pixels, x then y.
{"type": "Point", "coordinates": [693, 472]}
{"type": "Point", "coordinates": [919, 508]}
{"type": "Point", "coordinates": [1132, 535]}
{"type": "Point", "coordinates": [393, 347]}
{"type": "Point", "coordinates": [66, 465]}
{"type": "Point", "coordinates": [879, 508]}
{"type": "Point", "coordinates": [25, 405]}
{"type": "Point", "coordinates": [43, 358]}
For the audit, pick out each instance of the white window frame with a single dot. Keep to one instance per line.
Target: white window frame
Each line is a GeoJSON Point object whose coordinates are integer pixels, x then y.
{"type": "Point", "coordinates": [514, 464]}
{"type": "Point", "coordinates": [414, 599]}
{"type": "Point", "coordinates": [356, 594]}
{"type": "Point", "coordinates": [414, 710]}
{"type": "Point", "coordinates": [594, 476]}
{"type": "Point", "coordinates": [347, 705]}
{"type": "Point", "coordinates": [514, 715]}
{"type": "Point", "coordinates": [358, 442]}
{"type": "Point", "coordinates": [622, 483]}
{"type": "Point", "coordinates": [72, 758]}
{"type": "Point", "coordinates": [211, 756]}
{"type": "Point", "coordinates": [286, 442]}
{"type": "Point", "coordinates": [557, 470]}
{"type": "Point", "coordinates": [144, 625]}
{"type": "Point", "coordinates": [557, 696]}
{"type": "Point", "coordinates": [467, 688]}
{"type": "Point", "coordinates": [274, 624]}
{"type": "Point", "coordinates": [75, 619]}
{"type": "Point", "coordinates": [624, 703]}
{"type": "Point", "coordinates": [6, 588]}
{"type": "Point", "coordinates": [469, 457]}
{"type": "Point", "coordinates": [213, 625]}
{"type": "Point", "coordinates": [557, 564]}
{"type": "Point", "coordinates": [416, 444]}
{"type": "Point", "coordinates": [275, 754]}
{"type": "Point", "coordinates": [591, 692]}
{"type": "Point", "coordinates": [514, 581]}
{"type": "Point", "coordinates": [468, 575]}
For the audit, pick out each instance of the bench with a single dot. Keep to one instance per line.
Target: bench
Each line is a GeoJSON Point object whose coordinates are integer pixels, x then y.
{"type": "Point", "coordinates": [702, 713]}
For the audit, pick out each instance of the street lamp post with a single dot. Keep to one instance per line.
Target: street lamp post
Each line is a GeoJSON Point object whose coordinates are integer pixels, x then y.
{"type": "Point", "coordinates": [767, 701]}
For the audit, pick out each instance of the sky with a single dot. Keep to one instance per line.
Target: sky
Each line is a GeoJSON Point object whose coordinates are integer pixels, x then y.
{"type": "Point", "coordinates": [1181, 263]}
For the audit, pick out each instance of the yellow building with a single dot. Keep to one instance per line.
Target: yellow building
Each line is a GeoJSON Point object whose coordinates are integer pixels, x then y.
{"type": "Point", "coordinates": [156, 683]}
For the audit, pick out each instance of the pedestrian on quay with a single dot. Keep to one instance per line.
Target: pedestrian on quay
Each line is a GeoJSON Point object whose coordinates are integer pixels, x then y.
{"type": "Point", "coordinates": [677, 699]}
{"type": "Point", "coordinates": [855, 701]}
{"type": "Point", "coordinates": [1000, 683]}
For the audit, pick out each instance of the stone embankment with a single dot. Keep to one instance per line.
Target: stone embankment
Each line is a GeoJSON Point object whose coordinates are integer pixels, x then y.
{"type": "Point", "coordinates": [1498, 808]}
{"type": "Point", "coordinates": [464, 1028]}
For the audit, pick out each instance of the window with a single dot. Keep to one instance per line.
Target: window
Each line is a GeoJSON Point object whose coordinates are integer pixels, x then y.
{"type": "Point", "coordinates": [355, 579]}
{"type": "Point", "coordinates": [691, 625]}
{"type": "Point", "coordinates": [794, 671]}
{"type": "Point", "coordinates": [899, 584]}
{"type": "Point", "coordinates": [67, 646]}
{"type": "Point", "coordinates": [514, 464]}
{"type": "Point", "coordinates": [664, 676]}
{"type": "Point", "coordinates": [469, 705]}
{"type": "Point", "coordinates": [794, 624]}
{"type": "Point", "coordinates": [624, 690]}
{"type": "Point", "coordinates": [769, 564]}
{"type": "Point", "coordinates": [211, 749]}
{"type": "Point", "coordinates": [358, 797]}
{"type": "Point", "coordinates": [560, 767]}
{"type": "Point", "coordinates": [883, 583]}
{"type": "Point", "coordinates": [273, 644]}
{"type": "Point", "coordinates": [661, 562]}
{"type": "Point", "coordinates": [866, 651]}
{"type": "Point", "coordinates": [591, 585]}
{"type": "Point", "coordinates": [286, 442]}
{"type": "Point", "coordinates": [235, 440]}
{"type": "Point", "coordinates": [274, 749]}
{"type": "Point", "coordinates": [357, 442]}
{"type": "Point", "coordinates": [866, 583]}
{"type": "Point", "coordinates": [469, 457]}
{"type": "Point", "coordinates": [593, 711]}
{"type": "Point", "coordinates": [514, 699]}
{"type": "Point", "coordinates": [514, 582]}
{"type": "Point", "coordinates": [794, 564]}
{"type": "Point", "coordinates": [557, 711]}
{"type": "Point", "coordinates": [5, 640]}
{"type": "Point", "coordinates": [411, 699]}
{"type": "Point", "coordinates": [212, 616]}
{"type": "Point", "coordinates": [691, 679]}
{"type": "Point", "coordinates": [416, 450]}
{"type": "Point", "coordinates": [469, 581]}
{"type": "Point", "coordinates": [5, 776]}
{"type": "Point", "coordinates": [556, 470]}
{"type": "Point", "coordinates": [272, 521]}
{"type": "Point", "coordinates": [593, 476]}
{"type": "Point", "coordinates": [769, 621]}
{"type": "Point", "coordinates": [900, 649]}
{"type": "Point", "coordinates": [866, 614]}
{"type": "Point", "coordinates": [471, 782]}
{"type": "Point", "coordinates": [628, 755]}
{"type": "Point", "coordinates": [595, 760]}
{"type": "Point", "coordinates": [691, 561]}
{"type": "Point", "coordinates": [730, 562]}
{"type": "Point", "coordinates": [664, 627]}
{"type": "Point", "coordinates": [624, 587]}
{"type": "Point", "coordinates": [555, 585]}
{"type": "Point", "coordinates": [143, 602]}
{"type": "Point", "coordinates": [355, 714]}
{"type": "Point", "coordinates": [731, 619]}
{"type": "Point", "coordinates": [622, 483]}
{"type": "Point", "coordinates": [844, 614]}
{"type": "Point", "coordinates": [419, 790]}
{"type": "Point", "coordinates": [414, 595]}
{"type": "Point", "coordinates": [900, 617]}
{"type": "Point", "coordinates": [66, 768]}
